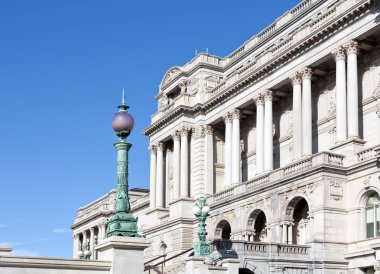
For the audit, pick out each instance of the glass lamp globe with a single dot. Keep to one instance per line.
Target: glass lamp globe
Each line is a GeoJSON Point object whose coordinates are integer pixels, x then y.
{"type": "Point", "coordinates": [196, 210]}
{"type": "Point", "coordinates": [206, 209]}
{"type": "Point", "coordinates": [87, 253]}
{"type": "Point", "coordinates": [80, 253]}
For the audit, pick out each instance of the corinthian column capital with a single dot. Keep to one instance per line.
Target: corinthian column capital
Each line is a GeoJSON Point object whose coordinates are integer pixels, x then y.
{"type": "Point", "coordinates": [259, 100]}
{"type": "Point", "coordinates": [209, 130]}
{"type": "Point", "coordinates": [352, 47]}
{"type": "Point", "coordinates": [160, 146]}
{"type": "Point", "coordinates": [296, 79]}
{"type": "Point", "coordinates": [152, 149]}
{"type": "Point", "coordinates": [268, 95]}
{"type": "Point", "coordinates": [176, 135]}
{"type": "Point", "coordinates": [227, 118]}
{"type": "Point", "coordinates": [306, 73]}
{"type": "Point", "coordinates": [339, 53]}
{"type": "Point", "coordinates": [184, 131]}
{"type": "Point", "coordinates": [235, 114]}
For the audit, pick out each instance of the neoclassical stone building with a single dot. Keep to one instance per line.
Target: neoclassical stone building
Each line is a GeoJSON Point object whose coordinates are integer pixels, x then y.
{"type": "Point", "coordinates": [282, 135]}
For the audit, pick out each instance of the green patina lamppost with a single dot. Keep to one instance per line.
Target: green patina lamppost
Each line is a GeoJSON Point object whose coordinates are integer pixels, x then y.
{"type": "Point", "coordinates": [122, 223]}
{"type": "Point", "coordinates": [201, 210]}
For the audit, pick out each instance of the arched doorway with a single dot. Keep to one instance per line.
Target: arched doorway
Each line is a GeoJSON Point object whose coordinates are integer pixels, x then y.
{"type": "Point", "coordinates": [300, 230]}
{"type": "Point", "coordinates": [223, 230]}
{"type": "Point", "coordinates": [256, 227]}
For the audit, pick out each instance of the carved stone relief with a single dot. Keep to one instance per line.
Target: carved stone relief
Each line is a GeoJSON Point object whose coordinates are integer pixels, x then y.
{"type": "Point", "coordinates": [336, 190]}
{"type": "Point", "coordinates": [193, 86]}
{"type": "Point", "coordinates": [170, 75]}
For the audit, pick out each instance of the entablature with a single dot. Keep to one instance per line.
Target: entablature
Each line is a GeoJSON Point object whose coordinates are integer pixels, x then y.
{"type": "Point", "coordinates": [325, 22]}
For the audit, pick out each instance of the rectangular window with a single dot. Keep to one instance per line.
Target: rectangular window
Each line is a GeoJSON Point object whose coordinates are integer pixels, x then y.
{"type": "Point", "coordinates": [370, 222]}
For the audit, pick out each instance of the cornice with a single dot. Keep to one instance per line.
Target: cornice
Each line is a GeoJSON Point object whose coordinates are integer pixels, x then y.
{"type": "Point", "coordinates": [250, 78]}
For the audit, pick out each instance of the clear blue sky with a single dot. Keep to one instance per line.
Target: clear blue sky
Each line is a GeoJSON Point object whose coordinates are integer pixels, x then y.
{"type": "Point", "coordinates": [63, 65]}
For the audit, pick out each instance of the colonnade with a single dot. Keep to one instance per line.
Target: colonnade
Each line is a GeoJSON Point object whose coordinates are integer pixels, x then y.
{"type": "Point", "coordinates": [347, 102]}
{"type": "Point", "coordinates": [89, 238]}
{"type": "Point", "coordinates": [180, 169]}
{"type": "Point", "coordinates": [347, 125]}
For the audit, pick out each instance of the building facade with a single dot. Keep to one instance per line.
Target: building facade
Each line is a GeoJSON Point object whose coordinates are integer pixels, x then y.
{"type": "Point", "coordinates": [282, 135]}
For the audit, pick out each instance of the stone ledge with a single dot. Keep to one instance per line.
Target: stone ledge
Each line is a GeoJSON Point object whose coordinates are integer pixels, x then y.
{"type": "Point", "coordinates": [120, 242]}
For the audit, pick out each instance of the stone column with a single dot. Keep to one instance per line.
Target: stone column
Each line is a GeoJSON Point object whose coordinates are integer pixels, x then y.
{"type": "Point", "coordinates": [176, 164]}
{"type": "Point", "coordinates": [259, 134]}
{"type": "Point", "coordinates": [290, 234]}
{"type": "Point", "coordinates": [352, 49]}
{"type": "Point", "coordinates": [297, 115]}
{"type": "Point", "coordinates": [227, 150]}
{"type": "Point", "coordinates": [91, 248]}
{"type": "Point", "coordinates": [184, 163]}
{"type": "Point", "coordinates": [75, 248]}
{"type": "Point", "coordinates": [235, 146]}
{"type": "Point", "coordinates": [284, 233]}
{"type": "Point", "coordinates": [160, 176]}
{"type": "Point", "coordinates": [153, 176]}
{"type": "Point", "coordinates": [209, 163]}
{"type": "Point", "coordinates": [341, 104]}
{"type": "Point", "coordinates": [307, 123]}
{"type": "Point", "coordinates": [84, 241]}
{"type": "Point", "coordinates": [268, 131]}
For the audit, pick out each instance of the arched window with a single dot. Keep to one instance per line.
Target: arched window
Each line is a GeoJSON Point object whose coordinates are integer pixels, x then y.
{"type": "Point", "coordinates": [223, 230]}
{"type": "Point", "coordinates": [256, 227]}
{"type": "Point", "coordinates": [373, 215]}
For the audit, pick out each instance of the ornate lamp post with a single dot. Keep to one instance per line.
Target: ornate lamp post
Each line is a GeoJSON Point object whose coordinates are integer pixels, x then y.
{"type": "Point", "coordinates": [122, 223]}
{"type": "Point", "coordinates": [84, 252]}
{"type": "Point", "coordinates": [201, 210]}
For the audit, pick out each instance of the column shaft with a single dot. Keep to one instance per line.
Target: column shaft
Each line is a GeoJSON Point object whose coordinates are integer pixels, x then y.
{"type": "Point", "coordinates": [153, 176]}
{"type": "Point", "coordinates": [268, 131]}
{"type": "Point", "coordinates": [184, 163]}
{"type": "Point", "coordinates": [160, 176]}
{"type": "Point", "coordinates": [235, 146]}
{"type": "Point", "coordinates": [209, 168]}
{"type": "Point", "coordinates": [341, 102]}
{"type": "Point", "coordinates": [176, 164]}
{"type": "Point", "coordinates": [297, 116]}
{"type": "Point", "coordinates": [352, 90]}
{"type": "Point", "coordinates": [259, 134]}
{"type": "Point", "coordinates": [228, 150]}
{"type": "Point", "coordinates": [307, 135]}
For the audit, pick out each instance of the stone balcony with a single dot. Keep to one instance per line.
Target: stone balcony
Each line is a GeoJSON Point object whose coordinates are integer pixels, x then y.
{"type": "Point", "coordinates": [296, 168]}
{"type": "Point", "coordinates": [270, 178]}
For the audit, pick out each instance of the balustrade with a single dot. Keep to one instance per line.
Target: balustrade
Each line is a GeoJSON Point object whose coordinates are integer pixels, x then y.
{"type": "Point", "coordinates": [296, 168]}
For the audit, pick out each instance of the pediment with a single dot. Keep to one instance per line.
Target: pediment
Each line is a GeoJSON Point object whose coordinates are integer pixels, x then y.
{"type": "Point", "coordinates": [171, 74]}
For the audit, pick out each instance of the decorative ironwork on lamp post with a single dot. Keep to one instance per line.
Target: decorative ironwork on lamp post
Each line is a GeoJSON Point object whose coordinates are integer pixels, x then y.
{"type": "Point", "coordinates": [122, 223]}
{"type": "Point", "coordinates": [201, 210]}
{"type": "Point", "coordinates": [84, 252]}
